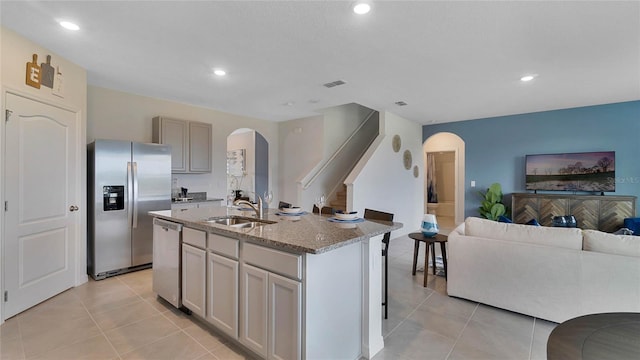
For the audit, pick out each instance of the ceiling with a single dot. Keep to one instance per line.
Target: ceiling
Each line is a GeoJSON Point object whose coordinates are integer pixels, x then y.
{"type": "Point", "coordinates": [448, 60]}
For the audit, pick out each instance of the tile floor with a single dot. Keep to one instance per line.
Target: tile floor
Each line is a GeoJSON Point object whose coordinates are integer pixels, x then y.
{"type": "Point", "coordinates": [425, 323]}
{"type": "Point", "coordinates": [121, 318]}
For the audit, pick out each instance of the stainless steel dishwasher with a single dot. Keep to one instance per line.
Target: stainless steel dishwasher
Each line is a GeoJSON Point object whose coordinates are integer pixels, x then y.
{"type": "Point", "coordinates": [167, 240]}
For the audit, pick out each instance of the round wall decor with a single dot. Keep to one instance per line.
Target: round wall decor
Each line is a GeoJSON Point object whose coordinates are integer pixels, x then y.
{"type": "Point", "coordinates": [406, 159]}
{"type": "Point", "coordinates": [416, 171]}
{"type": "Point", "coordinates": [396, 142]}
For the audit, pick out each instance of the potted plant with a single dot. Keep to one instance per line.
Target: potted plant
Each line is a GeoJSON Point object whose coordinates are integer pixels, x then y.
{"type": "Point", "coordinates": [491, 206]}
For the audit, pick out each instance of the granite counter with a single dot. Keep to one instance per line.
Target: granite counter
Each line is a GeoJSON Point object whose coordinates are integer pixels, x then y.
{"type": "Point", "coordinates": [309, 233]}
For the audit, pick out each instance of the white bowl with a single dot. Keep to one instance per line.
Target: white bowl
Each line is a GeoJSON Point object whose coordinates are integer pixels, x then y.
{"type": "Point", "coordinates": [346, 225]}
{"type": "Point", "coordinates": [343, 216]}
{"type": "Point", "coordinates": [291, 210]}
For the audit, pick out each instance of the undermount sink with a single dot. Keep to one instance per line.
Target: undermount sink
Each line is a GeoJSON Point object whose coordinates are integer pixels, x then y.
{"type": "Point", "coordinates": [239, 221]}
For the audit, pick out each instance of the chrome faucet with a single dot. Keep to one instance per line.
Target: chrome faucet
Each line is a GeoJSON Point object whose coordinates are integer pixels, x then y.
{"type": "Point", "coordinates": [258, 210]}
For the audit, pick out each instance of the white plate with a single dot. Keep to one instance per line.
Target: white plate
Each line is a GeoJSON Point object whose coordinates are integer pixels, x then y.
{"type": "Point", "coordinates": [291, 210]}
{"type": "Point", "coordinates": [340, 216]}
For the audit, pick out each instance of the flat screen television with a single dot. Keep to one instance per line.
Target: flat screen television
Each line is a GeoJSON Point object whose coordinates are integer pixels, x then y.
{"type": "Point", "coordinates": [585, 171]}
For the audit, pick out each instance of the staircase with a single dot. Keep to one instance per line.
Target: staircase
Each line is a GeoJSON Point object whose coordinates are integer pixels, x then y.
{"type": "Point", "coordinates": [339, 202]}
{"type": "Point", "coordinates": [328, 177]}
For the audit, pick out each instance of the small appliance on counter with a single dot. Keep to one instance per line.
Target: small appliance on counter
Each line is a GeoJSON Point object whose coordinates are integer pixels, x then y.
{"type": "Point", "coordinates": [183, 195]}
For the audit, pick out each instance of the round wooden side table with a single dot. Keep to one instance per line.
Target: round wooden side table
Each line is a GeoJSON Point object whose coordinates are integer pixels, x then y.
{"type": "Point", "coordinates": [596, 336]}
{"type": "Point", "coordinates": [430, 243]}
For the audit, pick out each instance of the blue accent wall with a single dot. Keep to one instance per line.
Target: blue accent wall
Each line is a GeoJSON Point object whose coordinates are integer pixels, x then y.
{"type": "Point", "coordinates": [495, 148]}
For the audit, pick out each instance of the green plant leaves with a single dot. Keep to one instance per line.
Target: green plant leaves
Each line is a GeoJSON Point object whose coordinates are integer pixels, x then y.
{"type": "Point", "coordinates": [491, 207]}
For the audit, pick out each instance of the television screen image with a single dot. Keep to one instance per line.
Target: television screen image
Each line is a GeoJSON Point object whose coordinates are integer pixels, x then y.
{"type": "Point", "coordinates": [586, 171]}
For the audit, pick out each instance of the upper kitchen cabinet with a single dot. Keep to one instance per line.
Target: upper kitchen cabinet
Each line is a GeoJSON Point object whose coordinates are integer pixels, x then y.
{"type": "Point", "coordinates": [190, 143]}
{"type": "Point", "coordinates": [199, 147]}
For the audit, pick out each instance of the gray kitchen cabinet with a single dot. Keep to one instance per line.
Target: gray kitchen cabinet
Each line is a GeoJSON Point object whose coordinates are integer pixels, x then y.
{"type": "Point", "coordinates": [194, 270]}
{"type": "Point", "coordinates": [284, 318]}
{"type": "Point", "coordinates": [222, 281]}
{"type": "Point", "coordinates": [186, 205]}
{"type": "Point", "coordinates": [194, 205]}
{"type": "Point", "coordinates": [222, 297]}
{"type": "Point", "coordinates": [190, 143]}
{"type": "Point", "coordinates": [173, 132]}
{"type": "Point", "coordinates": [254, 309]}
{"type": "Point", "coordinates": [271, 302]}
{"type": "Point", "coordinates": [199, 147]}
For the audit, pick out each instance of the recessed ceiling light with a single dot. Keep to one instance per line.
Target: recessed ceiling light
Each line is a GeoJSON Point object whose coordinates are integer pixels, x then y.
{"type": "Point", "coordinates": [69, 25]}
{"type": "Point", "coordinates": [361, 8]}
{"type": "Point", "coordinates": [334, 84]}
{"type": "Point", "coordinates": [219, 72]}
{"type": "Point", "coordinates": [528, 78]}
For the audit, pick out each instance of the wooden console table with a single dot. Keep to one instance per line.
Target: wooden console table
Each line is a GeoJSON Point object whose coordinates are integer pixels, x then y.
{"type": "Point", "coordinates": [605, 213]}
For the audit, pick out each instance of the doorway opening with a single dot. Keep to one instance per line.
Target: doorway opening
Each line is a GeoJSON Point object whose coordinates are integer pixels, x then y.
{"type": "Point", "coordinates": [444, 179]}
{"type": "Point", "coordinates": [247, 165]}
{"type": "Point", "coordinates": [441, 192]}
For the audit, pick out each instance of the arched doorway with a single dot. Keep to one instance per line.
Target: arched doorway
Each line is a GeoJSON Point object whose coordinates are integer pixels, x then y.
{"type": "Point", "coordinates": [247, 163]}
{"type": "Point", "coordinates": [444, 178]}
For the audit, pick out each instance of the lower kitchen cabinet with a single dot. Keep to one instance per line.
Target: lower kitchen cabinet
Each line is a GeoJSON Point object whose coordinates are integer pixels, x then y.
{"type": "Point", "coordinates": [183, 205]}
{"type": "Point", "coordinates": [195, 205]}
{"type": "Point", "coordinates": [222, 296]}
{"type": "Point", "coordinates": [285, 296]}
{"type": "Point", "coordinates": [254, 309]}
{"type": "Point", "coordinates": [270, 313]}
{"type": "Point", "coordinates": [193, 279]}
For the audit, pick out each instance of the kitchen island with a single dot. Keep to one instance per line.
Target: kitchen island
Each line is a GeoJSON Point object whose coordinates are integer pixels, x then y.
{"type": "Point", "coordinates": [300, 287]}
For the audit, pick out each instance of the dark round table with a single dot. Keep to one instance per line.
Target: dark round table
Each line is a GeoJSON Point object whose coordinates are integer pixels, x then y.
{"type": "Point", "coordinates": [430, 243]}
{"type": "Point", "coordinates": [596, 337]}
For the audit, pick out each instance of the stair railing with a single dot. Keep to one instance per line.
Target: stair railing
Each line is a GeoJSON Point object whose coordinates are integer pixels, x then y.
{"type": "Point", "coordinates": [367, 130]}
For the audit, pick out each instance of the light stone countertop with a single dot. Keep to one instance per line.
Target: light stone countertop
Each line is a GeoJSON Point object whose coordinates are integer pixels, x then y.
{"type": "Point", "coordinates": [310, 233]}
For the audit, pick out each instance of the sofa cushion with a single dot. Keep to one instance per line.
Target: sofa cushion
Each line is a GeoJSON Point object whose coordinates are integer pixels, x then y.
{"type": "Point", "coordinates": [599, 241]}
{"type": "Point", "coordinates": [569, 238]}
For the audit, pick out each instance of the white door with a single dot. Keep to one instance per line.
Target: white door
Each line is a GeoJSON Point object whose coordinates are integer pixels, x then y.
{"type": "Point", "coordinates": [41, 217]}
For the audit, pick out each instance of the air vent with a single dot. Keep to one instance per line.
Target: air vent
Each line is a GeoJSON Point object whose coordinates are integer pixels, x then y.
{"type": "Point", "coordinates": [334, 83]}
{"type": "Point", "coordinates": [400, 103]}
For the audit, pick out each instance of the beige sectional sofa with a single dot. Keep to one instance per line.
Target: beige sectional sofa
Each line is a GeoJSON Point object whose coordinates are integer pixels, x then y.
{"type": "Point", "coordinates": [551, 273]}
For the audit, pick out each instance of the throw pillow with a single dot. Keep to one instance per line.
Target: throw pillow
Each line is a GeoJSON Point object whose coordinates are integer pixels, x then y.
{"type": "Point", "coordinates": [504, 219]}
{"type": "Point", "coordinates": [533, 222]}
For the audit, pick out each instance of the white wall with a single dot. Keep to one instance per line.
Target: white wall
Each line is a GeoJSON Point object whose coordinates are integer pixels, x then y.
{"type": "Point", "coordinates": [301, 149]}
{"type": "Point", "coordinates": [382, 183]}
{"type": "Point", "coordinates": [339, 123]}
{"type": "Point", "coordinates": [306, 143]}
{"type": "Point", "coordinates": [118, 115]}
{"type": "Point", "coordinates": [15, 52]}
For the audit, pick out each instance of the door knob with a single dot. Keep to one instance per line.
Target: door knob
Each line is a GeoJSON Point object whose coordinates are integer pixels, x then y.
{"type": "Point", "coordinates": [73, 208]}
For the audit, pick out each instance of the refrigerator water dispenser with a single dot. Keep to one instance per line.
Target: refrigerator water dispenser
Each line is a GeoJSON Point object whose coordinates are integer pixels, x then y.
{"type": "Point", "coordinates": [113, 197]}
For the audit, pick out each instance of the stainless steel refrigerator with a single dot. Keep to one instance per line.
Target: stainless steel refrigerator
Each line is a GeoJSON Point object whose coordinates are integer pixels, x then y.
{"type": "Point", "coordinates": [125, 181]}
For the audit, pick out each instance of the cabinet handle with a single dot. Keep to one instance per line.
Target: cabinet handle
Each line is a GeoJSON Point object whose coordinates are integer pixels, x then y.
{"type": "Point", "coordinates": [73, 208]}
